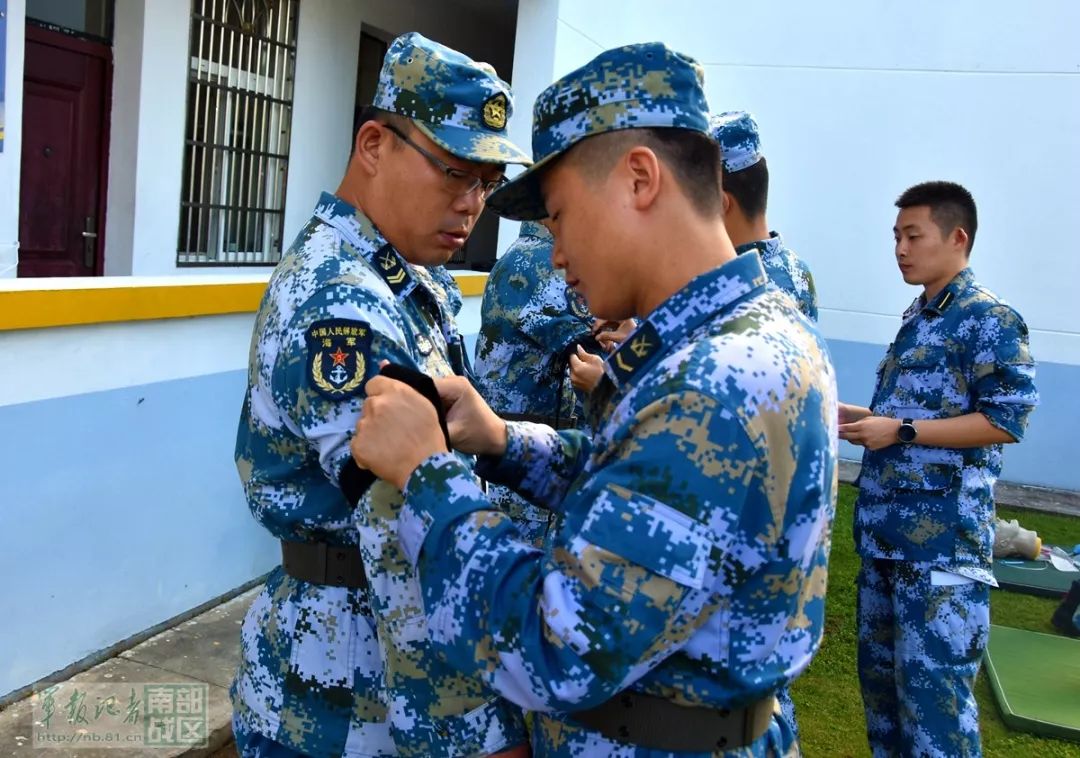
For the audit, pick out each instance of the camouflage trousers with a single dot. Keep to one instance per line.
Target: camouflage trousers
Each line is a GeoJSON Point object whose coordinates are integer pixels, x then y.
{"type": "Point", "coordinates": [251, 744]}
{"type": "Point", "coordinates": [920, 646]}
{"type": "Point", "coordinates": [787, 708]}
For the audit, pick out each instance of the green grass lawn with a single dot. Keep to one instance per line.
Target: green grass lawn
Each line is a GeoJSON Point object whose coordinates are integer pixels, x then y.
{"type": "Point", "coordinates": [827, 694]}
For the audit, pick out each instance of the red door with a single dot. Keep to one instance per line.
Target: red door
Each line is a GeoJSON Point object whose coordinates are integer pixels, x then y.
{"type": "Point", "coordinates": [65, 138]}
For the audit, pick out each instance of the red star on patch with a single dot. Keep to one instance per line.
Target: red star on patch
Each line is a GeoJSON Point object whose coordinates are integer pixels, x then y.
{"type": "Point", "coordinates": [339, 357]}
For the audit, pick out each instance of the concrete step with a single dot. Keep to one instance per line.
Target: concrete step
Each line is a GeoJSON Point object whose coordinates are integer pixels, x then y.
{"type": "Point", "coordinates": [182, 674]}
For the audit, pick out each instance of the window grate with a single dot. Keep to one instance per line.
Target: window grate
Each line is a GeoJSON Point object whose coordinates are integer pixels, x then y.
{"type": "Point", "coordinates": [239, 122]}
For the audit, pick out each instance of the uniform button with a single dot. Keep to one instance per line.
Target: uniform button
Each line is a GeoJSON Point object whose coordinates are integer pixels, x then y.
{"type": "Point", "coordinates": [722, 742]}
{"type": "Point", "coordinates": [724, 713]}
{"type": "Point", "coordinates": [624, 731]}
{"type": "Point", "coordinates": [627, 701]}
{"type": "Point", "coordinates": [340, 579]}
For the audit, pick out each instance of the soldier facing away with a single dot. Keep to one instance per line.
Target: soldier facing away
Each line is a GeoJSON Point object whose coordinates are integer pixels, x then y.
{"type": "Point", "coordinates": [335, 658]}
{"type": "Point", "coordinates": [746, 197]}
{"type": "Point", "coordinates": [686, 581]}
{"type": "Point", "coordinates": [531, 321]}
{"type": "Point", "coordinates": [745, 181]}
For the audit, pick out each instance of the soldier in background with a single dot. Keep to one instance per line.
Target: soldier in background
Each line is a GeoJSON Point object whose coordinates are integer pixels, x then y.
{"type": "Point", "coordinates": [745, 182]}
{"type": "Point", "coordinates": [746, 198]}
{"type": "Point", "coordinates": [954, 387]}
{"type": "Point", "coordinates": [531, 322]}
{"type": "Point", "coordinates": [335, 658]}
{"type": "Point", "coordinates": [686, 581]}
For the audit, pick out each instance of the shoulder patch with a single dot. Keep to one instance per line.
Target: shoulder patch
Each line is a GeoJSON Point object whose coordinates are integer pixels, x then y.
{"type": "Point", "coordinates": [339, 354]}
{"type": "Point", "coordinates": [577, 304]}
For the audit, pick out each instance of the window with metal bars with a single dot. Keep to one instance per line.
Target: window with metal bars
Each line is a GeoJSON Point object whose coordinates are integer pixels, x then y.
{"type": "Point", "coordinates": [239, 120]}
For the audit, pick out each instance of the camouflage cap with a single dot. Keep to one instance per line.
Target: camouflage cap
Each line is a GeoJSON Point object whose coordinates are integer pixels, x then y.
{"type": "Point", "coordinates": [740, 144]}
{"type": "Point", "coordinates": [634, 87]}
{"type": "Point", "coordinates": [461, 105]}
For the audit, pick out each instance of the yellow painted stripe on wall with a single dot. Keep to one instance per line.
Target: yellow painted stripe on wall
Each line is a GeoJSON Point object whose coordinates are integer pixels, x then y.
{"type": "Point", "coordinates": [45, 308]}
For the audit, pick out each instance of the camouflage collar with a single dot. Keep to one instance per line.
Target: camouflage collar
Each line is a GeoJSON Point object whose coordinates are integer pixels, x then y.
{"type": "Point", "coordinates": [953, 290]}
{"type": "Point", "coordinates": [770, 246]}
{"type": "Point", "coordinates": [701, 300]}
{"type": "Point", "coordinates": [360, 232]}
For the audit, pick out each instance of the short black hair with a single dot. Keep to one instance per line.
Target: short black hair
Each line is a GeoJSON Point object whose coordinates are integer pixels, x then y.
{"type": "Point", "coordinates": [750, 188]}
{"type": "Point", "coordinates": [693, 157]}
{"type": "Point", "coordinates": [951, 206]}
{"type": "Point", "coordinates": [371, 113]}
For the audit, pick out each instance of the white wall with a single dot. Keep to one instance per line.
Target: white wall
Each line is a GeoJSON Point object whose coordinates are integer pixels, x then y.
{"type": "Point", "coordinates": [124, 154]}
{"type": "Point", "coordinates": [858, 103]}
{"type": "Point", "coordinates": [11, 157]}
{"type": "Point", "coordinates": [328, 41]}
{"type": "Point", "coordinates": [535, 46]}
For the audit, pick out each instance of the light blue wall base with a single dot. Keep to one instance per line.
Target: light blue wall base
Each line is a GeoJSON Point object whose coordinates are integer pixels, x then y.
{"type": "Point", "coordinates": [118, 510]}
{"type": "Point", "coordinates": [1046, 457]}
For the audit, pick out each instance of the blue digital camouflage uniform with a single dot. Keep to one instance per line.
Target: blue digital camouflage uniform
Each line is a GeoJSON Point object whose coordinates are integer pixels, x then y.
{"type": "Point", "coordinates": [325, 670]}
{"type": "Point", "coordinates": [787, 271]}
{"type": "Point", "coordinates": [924, 519]}
{"type": "Point", "coordinates": [739, 138]}
{"type": "Point", "coordinates": [691, 558]}
{"type": "Point", "coordinates": [528, 320]}
{"type": "Point", "coordinates": [740, 147]}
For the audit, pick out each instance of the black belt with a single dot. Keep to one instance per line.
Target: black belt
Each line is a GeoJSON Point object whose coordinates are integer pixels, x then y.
{"type": "Point", "coordinates": [569, 422]}
{"type": "Point", "coordinates": [319, 563]}
{"type": "Point", "coordinates": [653, 722]}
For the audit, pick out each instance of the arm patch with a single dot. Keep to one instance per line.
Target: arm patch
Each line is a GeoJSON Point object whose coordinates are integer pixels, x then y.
{"type": "Point", "coordinates": [339, 357]}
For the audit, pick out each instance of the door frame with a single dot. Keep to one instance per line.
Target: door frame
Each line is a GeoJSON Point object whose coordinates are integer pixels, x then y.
{"type": "Point", "coordinates": [54, 38]}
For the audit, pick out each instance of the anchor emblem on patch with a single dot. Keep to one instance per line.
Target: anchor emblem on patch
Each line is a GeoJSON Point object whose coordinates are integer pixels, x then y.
{"type": "Point", "coordinates": [338, 352]}
{"type": "Point", "coordinates": [577, 304]}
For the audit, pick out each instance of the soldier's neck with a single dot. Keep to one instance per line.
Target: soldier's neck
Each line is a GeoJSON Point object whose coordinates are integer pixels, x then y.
{"type": "Point", "coordinates": [743, 230]}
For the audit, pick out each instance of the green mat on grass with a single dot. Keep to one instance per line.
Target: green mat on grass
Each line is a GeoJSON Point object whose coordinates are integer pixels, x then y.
{"type": "Point", "coordinates": [1036, 681]}
{"type": "Point", "coordinates": [1032, 577]}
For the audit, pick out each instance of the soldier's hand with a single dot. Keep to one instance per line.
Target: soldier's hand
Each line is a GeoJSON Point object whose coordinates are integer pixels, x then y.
{"type": "Point", "coordinates": [474, 428]}
{"type": "Point", "coordinates": [852, 413]}
{"type": "Point", "coordinates": [872, 432]}
{"type": "Point", "coordinates": [611, 334]}
{"type": "Point", "coordinates": [397, 431]}
{"type": "Point", "coordinates": [586, 370]}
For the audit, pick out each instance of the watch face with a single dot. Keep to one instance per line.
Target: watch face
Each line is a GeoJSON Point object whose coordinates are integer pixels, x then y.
{"type": "Point", "coordinates": [906, 432]}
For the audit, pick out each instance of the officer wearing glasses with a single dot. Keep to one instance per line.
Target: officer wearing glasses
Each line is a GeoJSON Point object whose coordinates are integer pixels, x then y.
{"type": "Point", "coordinates": [335, 652]}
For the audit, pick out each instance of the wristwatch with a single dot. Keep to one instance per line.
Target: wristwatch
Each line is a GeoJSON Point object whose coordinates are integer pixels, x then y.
{"type": "Point", "coordinates": [907, 431]}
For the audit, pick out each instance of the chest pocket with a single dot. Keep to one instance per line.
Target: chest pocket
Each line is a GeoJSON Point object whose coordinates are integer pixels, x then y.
{"type": "Point", "coordinates": [921, 378]}
{"type": "Point", "coordinates": [635, 532]}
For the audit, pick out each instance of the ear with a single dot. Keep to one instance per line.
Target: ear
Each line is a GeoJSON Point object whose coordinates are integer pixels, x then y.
{"type": "Point", "coordinates": [642, 168]}
{"type": "Point", "coordinates": [369, 146]}
{"type": "Point", "coordinates": [728, 201]}
{"type": "Point", "coordinates": [960, 238]}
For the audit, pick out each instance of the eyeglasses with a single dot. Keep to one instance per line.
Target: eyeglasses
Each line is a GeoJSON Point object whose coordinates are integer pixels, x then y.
{"type": "Point", "coordinates": [457, 181]}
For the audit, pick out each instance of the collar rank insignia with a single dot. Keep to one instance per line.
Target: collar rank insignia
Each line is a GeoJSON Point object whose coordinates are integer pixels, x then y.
{"type": "Point", "coordinates": [943, 301]}
{"type": "Point", "coordinates": [339, 353]}
{"type": "Point", "coordinates": [388, 263]}
{"type": "Point", "coordinates": [637, 351]}
{"type": "Point", "coordinates": [577, 305]}
{"type": "Point", "coordinates": [494, 113]}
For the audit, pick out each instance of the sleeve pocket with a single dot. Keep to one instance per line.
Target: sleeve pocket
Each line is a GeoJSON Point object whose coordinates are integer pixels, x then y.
{"type": "Point", "coordinates": [650, 534]}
